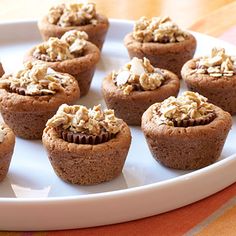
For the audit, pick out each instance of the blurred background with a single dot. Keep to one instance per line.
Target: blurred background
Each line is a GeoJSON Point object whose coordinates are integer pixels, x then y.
{"type": "Point", "coordinates": [210, 17]}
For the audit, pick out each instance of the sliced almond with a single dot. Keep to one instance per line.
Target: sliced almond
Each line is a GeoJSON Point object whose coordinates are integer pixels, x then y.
{"type": "Point", "coordinates": [122, 78]}
{"type": "Point", "coordinates": [137, 66]}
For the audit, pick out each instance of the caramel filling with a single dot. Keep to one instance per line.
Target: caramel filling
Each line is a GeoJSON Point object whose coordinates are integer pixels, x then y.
{"type": "Point", "coordinates": [204, 120]}
{"type": "Point", "coordinates": [216, 65]}
{"type": "Point", "coordinates": [78, 124]}
{"type": "Point", "coordinates": [35, 79]}
{"type": "Point", "coordinates": [70, 45]}
{"type": "Point", "coordinates": [138, 75]}
{"type": "Point", "coordinates": [190, 109]}
{"type": "Point", "coordinates": [73, 14]}
{"type": "Point", "coordinates": [157, 29]}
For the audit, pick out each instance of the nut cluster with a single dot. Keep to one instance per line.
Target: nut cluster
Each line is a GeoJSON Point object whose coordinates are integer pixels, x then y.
{"type": "Point", "coordinates": [75, 14]}
{"type": "Point", "coordinates": [80, 119]}
{"type": "Point", "coordinates": [138, 74]}
{"type": "Point", "coordinates": [157, 29]}
{"type": "Point", "coordinates": [35, 79]}
{"type": "Point", "coordinates": [69, 46]}
{"type": "Point", "coordinates": [2, 133]}
{"type": "Point", "coordinates": [188, 106]}
{"type": "Point", "coordinates": [217, 65]}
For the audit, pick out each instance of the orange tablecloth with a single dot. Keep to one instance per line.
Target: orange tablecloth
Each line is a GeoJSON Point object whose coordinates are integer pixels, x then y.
{"type": "Point", "coordinates": [213, 216]}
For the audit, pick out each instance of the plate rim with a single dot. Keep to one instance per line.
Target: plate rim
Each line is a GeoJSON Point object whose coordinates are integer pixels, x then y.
{"type": "Point", "coordinates": [131, 190]}
{"type": "Point", "coordinates": [82, 211]}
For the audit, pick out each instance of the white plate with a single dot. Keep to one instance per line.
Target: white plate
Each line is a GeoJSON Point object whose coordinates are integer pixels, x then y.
{"type": "Point", "coordinates": [32, 197]}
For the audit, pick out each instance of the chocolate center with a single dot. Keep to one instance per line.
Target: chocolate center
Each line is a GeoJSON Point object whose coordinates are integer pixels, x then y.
{"type": "Point", "coordinates": [20, 91]}
{"type": "Point", "coordinates": [205, 119]}
{"type": "Point", "coordinates": [81, 138]}
{"type": "Point", "coordinates": [195, 122]}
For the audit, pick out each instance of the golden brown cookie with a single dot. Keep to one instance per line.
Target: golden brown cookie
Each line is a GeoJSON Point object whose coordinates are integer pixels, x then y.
{"type": "Point", "coordinates": [86, 162]}
{"type": "Point", "coordinates": [27, 114]}
{"type": "Point", "coordinates": [190, 147]}
{"type": "Point", "coordinates": [217, 86]}
{"type": "Point", "coordinates": [162, 42]}
{"type": "Point", "coordinates": [131, 100]}
{"type": "Point", "coordinates": [81, 67]}
{"type": "Point", "coordinates": [96, 31]}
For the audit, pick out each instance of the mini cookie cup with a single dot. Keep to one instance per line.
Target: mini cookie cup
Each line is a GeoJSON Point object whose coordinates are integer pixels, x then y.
{"type": "Point", "coordinates": [7, 148]}
{"type": "Point", "coordinates": [131, 107]}
{"type": "Point", "coordinates": [220, 91]}
{"type": "Point", "coordinates": [169, 56]}
{"type": "Point", "coordinates": [82, 68]}
{"type": "Point", "coordinates": [27, 115]}
{"type": "Point", "coordinates": [96, 32]}
{"type": "Point", "coordinates": [187, 148]}
{"type": "Point", "coordinates": [87, 164]}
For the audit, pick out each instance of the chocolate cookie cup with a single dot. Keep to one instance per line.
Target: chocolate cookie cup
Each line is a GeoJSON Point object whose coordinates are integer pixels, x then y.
{"type": "Point", "coordinates": [71, 54]}
{"type": "Point", "coordinates": [7, 144]}
{"type": "Point", "coordinates": [214, 77]}
{"type": "Point", "coordinates": [195, 140]}
{"type": "Point", "coordinates": [29, 98]}
{"type": "Point", "coordinates": [136, 87]}
{"type": "Point", "coordinates": [162, 42]}
{"type": "Point", "coordinates": [82, 17]}
{"type": "Point", "coordinates": [89, 157]}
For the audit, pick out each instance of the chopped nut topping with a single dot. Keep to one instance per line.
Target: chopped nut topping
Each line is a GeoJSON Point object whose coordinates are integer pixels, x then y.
{"type": "Point", "coordinates": [35, 79]}
{"type": "Point", "coordinates": [188, 106]}
{"type": "Point", "coordinates": [2, 133]}
{"type": "Point", "coordinates": [80, 119]}
{"type": "Point", "coordinates": [217, 65]}
{"type": "Point", "coordinates": [69, 46]}
{"type": "Point", "coordinates": [157, 29]}
{"type": "Point", "coordinates": [138, 74]}
{"type": "Point", "coordinates": [73, 14]}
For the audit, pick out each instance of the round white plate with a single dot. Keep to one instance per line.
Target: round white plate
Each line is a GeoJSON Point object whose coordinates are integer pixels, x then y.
{"type": "Point", "coordinates": [32, 197]}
